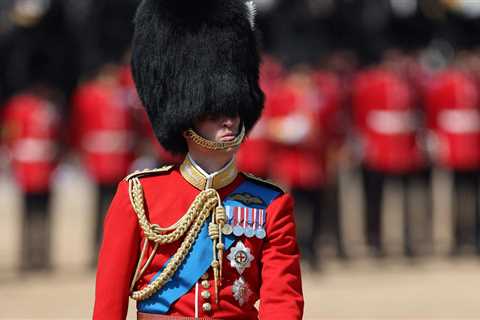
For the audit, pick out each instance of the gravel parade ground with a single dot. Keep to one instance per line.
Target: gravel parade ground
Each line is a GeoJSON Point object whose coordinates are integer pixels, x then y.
{"type": "Point", "coordinates": [363, 289]}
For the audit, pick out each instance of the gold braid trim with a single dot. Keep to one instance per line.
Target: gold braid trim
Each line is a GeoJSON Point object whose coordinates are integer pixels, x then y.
{"type": "Point", "coordinates": [201, 208]}
{"type": "Point", "coordinates": [214, 145]}
{"type": "Point", "coordinates": [148, 172]}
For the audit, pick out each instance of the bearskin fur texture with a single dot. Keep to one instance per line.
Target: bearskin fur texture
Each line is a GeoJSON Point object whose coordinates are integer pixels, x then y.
{"type": "Point", "coordinates": [195, 58]}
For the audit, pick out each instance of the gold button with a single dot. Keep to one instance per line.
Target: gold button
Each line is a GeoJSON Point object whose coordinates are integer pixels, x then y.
{"type": "Point", "coordinates": [206, 284]}
{"type": "Point", "coordinates": [205, 276]}
{"type": "Point", "coordinates": [207, 307]}
{"type": "Point", "coordinates": [206, 294]}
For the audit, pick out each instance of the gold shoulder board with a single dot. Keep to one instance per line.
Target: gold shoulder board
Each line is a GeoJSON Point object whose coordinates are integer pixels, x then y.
{"type": "Point", "coordinates": [148, 172]}
{"type": "Point", "coordinates": [263, 181]}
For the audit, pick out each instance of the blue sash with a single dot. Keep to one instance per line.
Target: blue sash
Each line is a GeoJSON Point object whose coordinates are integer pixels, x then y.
{"type": "Point", "coordinates": [197, 262]}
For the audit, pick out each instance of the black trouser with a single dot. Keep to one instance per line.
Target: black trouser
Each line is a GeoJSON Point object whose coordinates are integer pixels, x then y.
{"type": "Point", "coordinates": [36, 237]}
{"type": "Point", "coordinates": [308, 213]}
{"type": "Point", "coordinates": [105, 193]}
{"type": "Point", "coordinates": [373, 186]}
{"type": "Point", "coordinates": [466, 215]}
{"type": "Point", "coordinates": [332, 225]}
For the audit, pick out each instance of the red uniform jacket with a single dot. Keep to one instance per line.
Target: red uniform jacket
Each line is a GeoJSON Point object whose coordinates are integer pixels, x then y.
{"type": "Point", "coordinates": [453, 116]}
{"type": "Point", "coordinates": [103, 131]}
{"type": "Point", "coordinates": [387, 122]}
{"type": "Point", "coordinates": [273, 277]}
{"type": "Point", "coordinates": [31, 133]}
{"type": "Point", "coordinates": [300, 124]}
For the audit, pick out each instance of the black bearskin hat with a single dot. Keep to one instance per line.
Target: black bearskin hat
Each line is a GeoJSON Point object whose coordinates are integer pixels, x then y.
{"type": "Point", "coordinates": [195, 58]}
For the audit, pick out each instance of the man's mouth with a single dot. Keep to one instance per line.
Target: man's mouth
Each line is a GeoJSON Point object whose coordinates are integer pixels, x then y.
{"type": "Point", "coordinates": [228, 137]}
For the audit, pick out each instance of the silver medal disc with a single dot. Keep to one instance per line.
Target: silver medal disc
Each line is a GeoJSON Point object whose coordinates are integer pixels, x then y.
{"type": "Point", "coordinates": [237, 230]}
{"type": "Point", "coordinates": [249, 232]}
{"type": "Point", "coordinates": [227, 229]}
{"type": "Point", "coordinates": [260, 233]}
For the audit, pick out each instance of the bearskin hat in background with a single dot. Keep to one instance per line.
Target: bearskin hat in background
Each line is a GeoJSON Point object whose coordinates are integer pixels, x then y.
{"type": "Point", "coordinates": [195, 58]}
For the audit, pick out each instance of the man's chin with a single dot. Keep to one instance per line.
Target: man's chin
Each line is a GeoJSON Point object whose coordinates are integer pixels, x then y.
{"type": "Point", "coordinates": [230, 150]}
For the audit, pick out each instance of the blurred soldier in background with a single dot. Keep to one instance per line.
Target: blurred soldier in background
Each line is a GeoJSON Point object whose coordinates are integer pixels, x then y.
{"type": "Point", "coordinates": [30, 131]}
{"type": "Point", "coordinates": [298, 159]}
{"type": "Point", "coordinates": [255, 153]}
{"type": "Point", "coordinates": [451, 100]}
{"type": "Point", "coordinates": [103, 134]}
{"type": "Point", "coordinates": [332, 131]}
{"type": "Point", "coordinates": [387, 126]}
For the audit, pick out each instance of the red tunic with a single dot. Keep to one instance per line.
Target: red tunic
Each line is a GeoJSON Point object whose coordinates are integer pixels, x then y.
{"type": "Point", "coordinates": [103, 130]}
{"type": "Point", "coordinates": [31, 134]}
{"type": "Point", "coordinates": [453, 116]}
{"type": "Point", "coordinates": [300, 123]}
{"type": "Point", "coordinates": [274, 276]}
{"type": "Point", "coordinates": [387, 122]}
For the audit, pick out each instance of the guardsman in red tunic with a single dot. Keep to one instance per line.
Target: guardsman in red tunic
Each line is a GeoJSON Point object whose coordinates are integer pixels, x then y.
{"type": "Point", "coordinates": [199, 240]}
{"type": "Point", "coordinates": [298, 161]}
{"type": "Point", "coordinates": [103, 133]}
{"type": "Point", "coordinates": [255, 154]}
{"type": "Point", "coordinates": [387, 125]}
{"type": "Point", "coordinates": [30, 131]}
{"type": "Point", "coordinates": [453, 117]}
{"type": "Point", "coordinates": [333, 130]}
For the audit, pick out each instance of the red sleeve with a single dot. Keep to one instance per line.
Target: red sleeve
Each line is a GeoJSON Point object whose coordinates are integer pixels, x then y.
{"type": "Point", "coordinates": [281, 294]}
{"type": "Point", "coordinates": [118, 258]}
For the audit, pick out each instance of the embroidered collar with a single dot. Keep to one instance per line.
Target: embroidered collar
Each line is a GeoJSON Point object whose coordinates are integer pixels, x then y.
{"type": "Point", "coordinates": [200, 179]}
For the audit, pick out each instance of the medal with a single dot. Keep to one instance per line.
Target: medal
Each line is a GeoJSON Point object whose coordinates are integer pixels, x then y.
{"type": "Point", "coordinates": [241, 291]}
{"type": "Point", "coordinates": [240, 257]}
{"type": "Point", "coordinates": [260, 231]}
{"type": "Point", "coordinates": [227, 227]}
{"type": "Point", "coordinates": [237, 229]}
{"type": "Point", "coordinates": [249, 231]}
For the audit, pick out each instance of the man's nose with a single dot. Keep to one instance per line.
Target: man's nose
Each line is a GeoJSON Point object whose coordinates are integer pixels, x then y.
{"type": "Point", "coordinates": [228, 122]}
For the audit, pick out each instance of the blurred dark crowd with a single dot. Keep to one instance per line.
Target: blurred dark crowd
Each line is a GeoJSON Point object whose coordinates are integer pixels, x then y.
{"type": "Point", "coordinates": [387, 88]}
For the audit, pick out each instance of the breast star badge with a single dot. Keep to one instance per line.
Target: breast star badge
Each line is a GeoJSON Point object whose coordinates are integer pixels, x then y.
{"type": "Point", "coordinates": [241, 291]}
{"type": "Point", "coordinates": [240, 257]}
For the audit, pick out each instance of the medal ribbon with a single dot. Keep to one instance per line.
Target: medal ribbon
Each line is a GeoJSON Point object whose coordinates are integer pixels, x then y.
{"type": "Point", "coordinates": [250, 216]}
{"type": "Point", "coordinates": [261, 218]}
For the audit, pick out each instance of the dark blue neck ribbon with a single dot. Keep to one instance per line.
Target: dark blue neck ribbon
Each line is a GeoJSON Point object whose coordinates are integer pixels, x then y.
{"type": "Point", "coordinates": [197, 262]}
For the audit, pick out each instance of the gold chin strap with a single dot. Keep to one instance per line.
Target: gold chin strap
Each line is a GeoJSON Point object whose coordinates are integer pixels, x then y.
{"type": "Point", "coordinates": [206, 203]}
{"type": "Point", "coordinates": [214, 145]}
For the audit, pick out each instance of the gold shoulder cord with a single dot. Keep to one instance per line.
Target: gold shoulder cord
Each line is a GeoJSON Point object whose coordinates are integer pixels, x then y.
{"type": "Point", "coordinates": [205, 203]}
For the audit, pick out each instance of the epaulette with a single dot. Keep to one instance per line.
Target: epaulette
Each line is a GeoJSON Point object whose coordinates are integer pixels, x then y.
{"type": "Point", "coordinates": [148, 172]}
{"type": "Point", "coordinates": [263, 182]}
